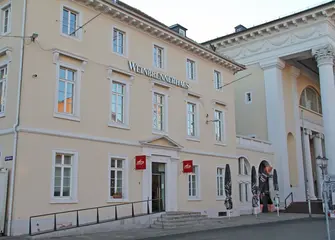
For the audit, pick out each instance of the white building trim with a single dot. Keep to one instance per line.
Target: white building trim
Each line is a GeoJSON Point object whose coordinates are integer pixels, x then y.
{"type": "Point", "coordinates": [56, 133]}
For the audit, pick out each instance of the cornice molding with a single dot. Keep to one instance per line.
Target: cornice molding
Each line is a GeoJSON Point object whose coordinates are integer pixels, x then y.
{"type": "Point", "coordinates": [164, 33]}
{"type": "Point", "coordinates": [271, 63]}
{"type": "Point", "coordinates": [264, 30]}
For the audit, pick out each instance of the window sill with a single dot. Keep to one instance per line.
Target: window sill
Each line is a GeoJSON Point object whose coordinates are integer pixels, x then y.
{"type": "Point", "coordinates": [117, 200]}
{"type": "Point", "coordinates": [194, 199]}
{"type": "Point", "coordinates": [221, 144]}
{"type": "Point", "coordinates": [311, 111]}
{"type": "Point", "coordinates": [193, 139]}
{"type": "Point", "coordinates": [6, 33]}
{"type": "Point", "coordinates": [120, 126]}
{"type": "Point", "coordinates": [163, 69]}
{"type": "Point", "coordinates": [60, 201]}
{"type": "Point", "coordinates": [157, 132]}
{"type": "Point", "coordinates": [2, 115]}
{"type": "Point", "coordinates": [77, 38]}
{"type": "Point", "coordinates": [120, 55]}
{"type": "Point", "coordinates": [67, 117]}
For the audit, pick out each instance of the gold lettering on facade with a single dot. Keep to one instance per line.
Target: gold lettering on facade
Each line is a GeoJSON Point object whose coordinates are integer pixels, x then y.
{"type": "Point", "coordinates": [156, 75]}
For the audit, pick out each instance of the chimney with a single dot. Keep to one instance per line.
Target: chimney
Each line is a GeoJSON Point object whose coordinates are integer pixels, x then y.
{"type": "Point", "coordinates": [179, 29]}
{"type": "Point", "coordinates": [240, 28]}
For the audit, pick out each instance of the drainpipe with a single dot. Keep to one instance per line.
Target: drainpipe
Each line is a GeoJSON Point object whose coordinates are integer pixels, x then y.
{"type": "Point", "coordinates": [17, 123]}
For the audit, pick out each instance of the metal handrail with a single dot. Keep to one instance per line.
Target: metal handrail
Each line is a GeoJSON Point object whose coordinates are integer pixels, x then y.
{"type": "Point", "coordinates": [54, 214]}
{"type": "Point", "coordinates": [290, 195]}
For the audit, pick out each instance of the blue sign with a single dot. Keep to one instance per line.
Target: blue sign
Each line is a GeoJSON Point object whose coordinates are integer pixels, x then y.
{"type": "Point", "coordinates": [9, 158]}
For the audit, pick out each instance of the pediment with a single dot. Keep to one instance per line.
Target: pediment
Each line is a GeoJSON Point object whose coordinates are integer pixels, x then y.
{"type": "Point", "coordinates": [162, 141]}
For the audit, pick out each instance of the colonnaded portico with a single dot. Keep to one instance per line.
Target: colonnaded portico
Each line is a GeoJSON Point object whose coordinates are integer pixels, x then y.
{"type": "Point", "coordinates": [287, 58]}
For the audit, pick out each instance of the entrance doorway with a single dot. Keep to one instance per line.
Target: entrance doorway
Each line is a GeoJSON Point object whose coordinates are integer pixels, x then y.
{"type": "Point", "coordinates": [158, 187]}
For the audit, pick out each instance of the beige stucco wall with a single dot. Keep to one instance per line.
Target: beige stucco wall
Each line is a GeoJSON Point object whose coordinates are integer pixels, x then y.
{"type": "Point", "coordinates": [37, 113]}
{"type": "Point", "coordinates": [12, 44]}
{"type": "Point", "coordinates": [251, 118]}
{"type": "Point", "coordinates": [95, 87]}
{"type": "Point", "coordinates": [302, 82]}
{"type": "Point", "coordinates": [208, 203]}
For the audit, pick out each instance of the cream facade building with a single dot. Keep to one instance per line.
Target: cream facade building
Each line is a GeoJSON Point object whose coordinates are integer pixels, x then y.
{"type": "Point", "coordinates": [287, 92]}
{"type": "Point", "coordinates": [97, 84]}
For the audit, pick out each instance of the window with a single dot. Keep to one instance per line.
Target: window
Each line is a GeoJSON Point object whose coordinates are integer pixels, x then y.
{"type": "Point", "coordinates": [193, 183]}
{"type": "Point", "coordinates": [158, 57]}
{"type": "Point", "coordinates": [66, 91]}
{"type": "Point", "coordinates": [3, 83]}
{"type": "Point", "coordinates": [243, 166]}
{"type": "Point", "coordinates": [116, 178]}
{"type": "Point", "coordinates": [182, 32]}
{"type": "Point", "coordinates": [220, 182]}
{"type": "Point", "coordinates": [311, 100]}
{"type": "Point", "coordinates": [217, 80]}
{"type": "Point", "coordinates": [159, 112]}
{"type": "Point", "coordinates": [248, 97]}
{"type": "Point", "coordinates": [119, 41]}
{"type": "Point", "coordinates": [70, 22]}
{"type": "Point", "coordinates": [191, 118]}
{"type": "Point", "coordinates": [6, 19]}
{"type": "Point", "coordinates": [219, 128]}
{"type": "Point", "coordinates": [190, 65]}
{"type": "Point", "coordinates": [118, 101]}
{"type": "Point", "coordinates": [244, 191]}
{"type": "Point", "coordinates": [64, 177]}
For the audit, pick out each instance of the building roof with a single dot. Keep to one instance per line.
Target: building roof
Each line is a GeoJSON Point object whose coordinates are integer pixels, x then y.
{"type": "Point", "coordinates": [146, 17]}
{"type": "Point", "coordinates": [273, 22]}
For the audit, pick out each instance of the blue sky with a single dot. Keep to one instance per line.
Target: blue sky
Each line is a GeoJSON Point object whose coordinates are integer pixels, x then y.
{"type": "Point", "coordinates": [213, 18]}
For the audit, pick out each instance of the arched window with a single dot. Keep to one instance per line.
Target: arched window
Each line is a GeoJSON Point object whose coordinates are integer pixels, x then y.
{"type": "Point", "coordinates": [311, 100]}
{"type": "Point", "coordinates": [243, 166]}
{"type": "Point", "coordinates": [244, 171]}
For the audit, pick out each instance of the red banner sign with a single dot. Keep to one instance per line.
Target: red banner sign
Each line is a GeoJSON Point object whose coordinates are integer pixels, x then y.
{"type": "Point", "coordinates": [140, 162]}
{"type": "Point", "coordinates": [188, 166]}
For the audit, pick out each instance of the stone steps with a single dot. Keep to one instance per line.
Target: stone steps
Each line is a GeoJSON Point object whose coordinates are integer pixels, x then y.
{"type": "Point", "coordinates": [180, 219]}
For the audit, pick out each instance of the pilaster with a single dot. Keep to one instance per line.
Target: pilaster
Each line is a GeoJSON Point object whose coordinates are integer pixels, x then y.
{"type": "Point", "coordinates": [308, 163]}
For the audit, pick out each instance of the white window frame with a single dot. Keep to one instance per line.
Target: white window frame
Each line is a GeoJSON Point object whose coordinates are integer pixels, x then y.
{"type": "Point", "coordinates": [76, 106]}
{"type": "Point", "coordinates": [74, 177]}
{"type": "Point", "coordinates": [158, 46]}
{"type": "Point", "coordinates": [197, 178]}
{"type": "Point", "coordinates": [79, 33]}
{"type": "Point", "coordinates": [241, 165]}
{"type": "Point", "coordinates": [223, 126]}
{"type": "Point", "coordinates": [125, 181]}
{"type": "Point", "coordinates": [9, 25]}
{"type": "Point", "coordinates": [125, 41]}
{"type": "Point", "coordinates": [220, 197]}
{"type": "Point", "coordinates": [246, 192]}
{"type": "Point", "coordinates": [5, 87]}
{"type": "Point", "coordinates": [220, 89]}
{"type": "Point", "coordinates": [165, 113]}
{"type": "Point", "coordinates": [196, 137]}
{"type": "Point", "coordinates": [126, 104]}
{"type": "Point", "coordinates": [246, 98]}
{"type": "Point", "coordinates": [195, 69]}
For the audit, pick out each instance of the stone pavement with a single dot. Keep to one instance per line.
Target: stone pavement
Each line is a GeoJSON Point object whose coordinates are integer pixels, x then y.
{"type": "Point", "coordinates": [306, 229]}
{"type": "Point", "coordinates": [219, 223]}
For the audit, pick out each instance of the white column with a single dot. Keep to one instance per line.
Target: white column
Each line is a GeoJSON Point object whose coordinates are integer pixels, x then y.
{"type": "Point", "coordinates": [276, 120]}
{"type": "Point", "coordinates": [308, 164]}
{"type": "Point", "coordinates": [299, 193]}
{"type": "Point", "coordinates": [318, 152]}
{"type": "Point", "coordinates": [325, 59]}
